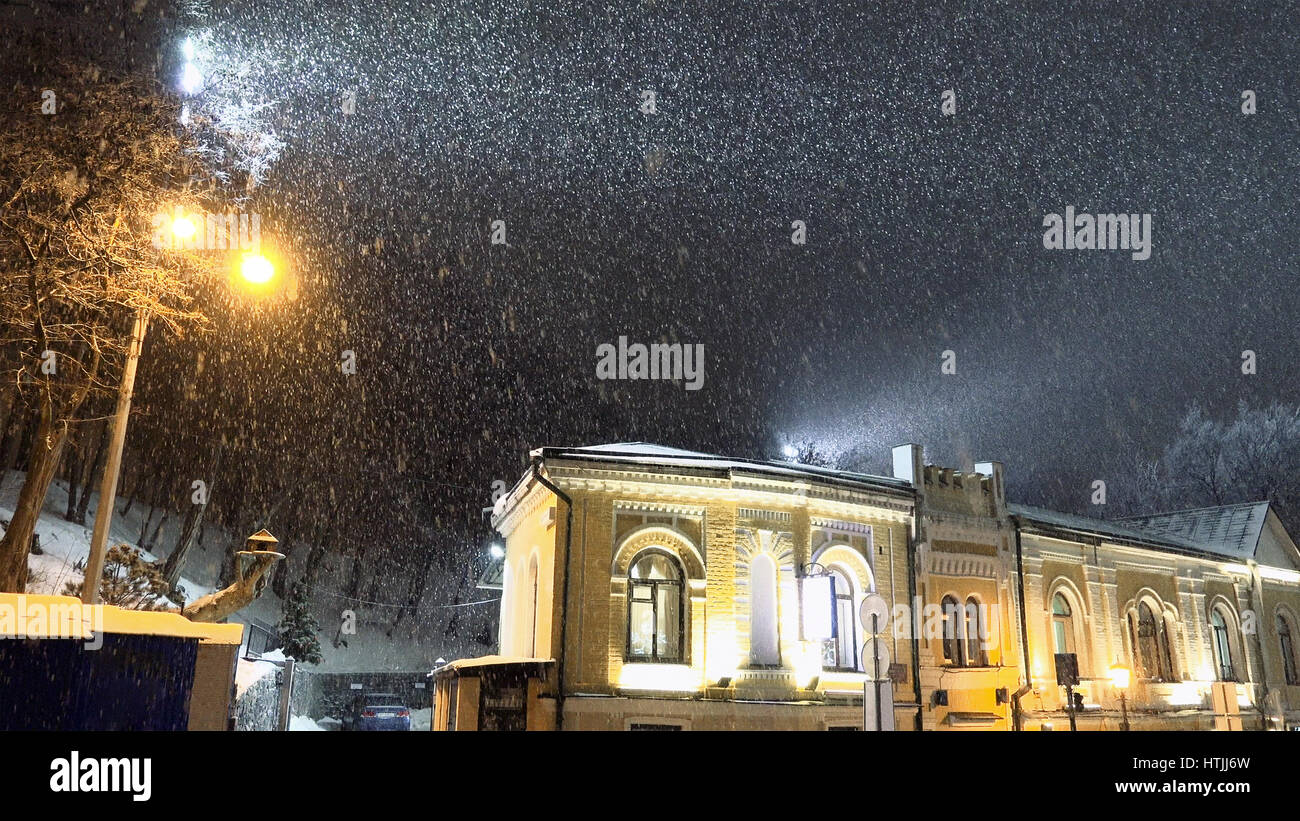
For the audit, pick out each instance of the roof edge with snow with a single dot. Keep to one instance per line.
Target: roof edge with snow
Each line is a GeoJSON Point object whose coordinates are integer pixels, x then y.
{"type": "Point", "coordinates": [649, 454]}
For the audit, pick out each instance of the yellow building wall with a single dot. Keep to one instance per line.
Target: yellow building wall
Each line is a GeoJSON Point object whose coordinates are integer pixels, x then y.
{"type": "Point", "coordinates": [1287, 596]}
{"type": "Point", "coordinates": [533, 536]}
{"type": "Point", "coordinates": [1104, 578]}
{"type": "Point", "coordinates": [597, 623]}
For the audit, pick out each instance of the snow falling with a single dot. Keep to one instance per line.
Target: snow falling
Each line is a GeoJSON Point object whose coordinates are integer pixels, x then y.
{"type": "Point", "coordinates": [645, 164]}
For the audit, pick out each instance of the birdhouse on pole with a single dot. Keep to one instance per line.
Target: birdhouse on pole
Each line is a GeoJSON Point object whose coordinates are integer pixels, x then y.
{"type": "Point", "coordinates": [262, 540]}
{"type": "Point", "coordinates": [260, 547]}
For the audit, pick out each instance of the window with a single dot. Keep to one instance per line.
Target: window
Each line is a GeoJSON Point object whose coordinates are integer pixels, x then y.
{"type": "Point", "coordinates": [654, 604]}
{"type": "Point", "coordinates": [951, 643]}
{"type": "Point", "coordinates": [1166, 652]}
{"type": "Point", "coordinates": [1062, 624]}
{"type": "Point", "coordinates": [532, 616]}
{"type": "Point", "coordinates": [1146, 641]}
{"type": "Point", "coordinates": [976, 633]}
{"type": "Point", "coordinates": [1222, 646]}
{"type": "Point", "coordinates": [640, 725]}
{"type": "Point", "coordinates": [841, 652]}
{"type": "Point", "coordinates": [1151, 643]}
{"type": "Point", "coordinates": [764, 644]}
{"type": "Point", "coordinates": [1285, 638]}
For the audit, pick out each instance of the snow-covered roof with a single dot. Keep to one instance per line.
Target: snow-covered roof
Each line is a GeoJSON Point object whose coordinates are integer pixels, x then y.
{"type": "Point", "coordinates": [489, 661]}
{"type": "Point", "coordinates": [66, 617]}
{"type": "Point", "coordinates": [645, 449]}
{"type": "Point", "coordinates": [1227, 530]}
{"type": "Point", "coordinates": [1114, 530]}
{"type": "Point", "coordinates": [647, 453]}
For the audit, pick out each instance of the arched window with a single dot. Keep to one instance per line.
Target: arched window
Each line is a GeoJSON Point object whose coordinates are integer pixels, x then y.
{"type": "Point", "coordinates": [1062, 624]}
{"type": "Point", "coordinates": [1222, 646]}
{"type": "Point", "coordinates": [841, 652]}
{"type": "Point", "coordinates": [976, 633]}
{"type": "Point", "coordinates": [532, 603]}
{"type": "Point", "coordinates": [1286, 641]}
{"type": "Point", "coordinates": [1151, 644]}
{"type": "Point", "coordinates": [764, 644]}
{"type": "Point", "coordinates": [951, 640]}
{"type": "Point", "coordinates": [655, 626]}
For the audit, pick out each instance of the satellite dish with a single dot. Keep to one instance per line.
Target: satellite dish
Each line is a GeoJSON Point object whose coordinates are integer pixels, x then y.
{"type": "Point", "coordinates": [876, 648]}
{"type": "Point", "coordinates": [873, 604]}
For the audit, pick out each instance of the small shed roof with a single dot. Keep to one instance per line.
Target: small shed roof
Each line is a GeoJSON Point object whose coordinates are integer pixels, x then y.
{"type": "Point", "coordinates": [521, 663]}
{"type": "Point", "coordinates": [40, 616]}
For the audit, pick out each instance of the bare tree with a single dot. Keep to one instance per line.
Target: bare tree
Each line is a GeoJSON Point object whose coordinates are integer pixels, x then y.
{"type": "Point", "coordinates": [1250, 457]}
{"type": "Point", "coordinates": [79, 247]}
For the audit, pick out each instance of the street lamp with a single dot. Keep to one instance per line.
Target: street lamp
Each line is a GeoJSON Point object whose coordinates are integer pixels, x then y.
{"type": "Point", "coordinates": [256, 269]}
{"type": "Point", "coordinates": [496, 551]}
{"type": "Point", "coordinates": [1119, 679]}
{"type": "Point", "coordinates": [183, 227]}
{"type": "Point", "coordinates": [191, 79]}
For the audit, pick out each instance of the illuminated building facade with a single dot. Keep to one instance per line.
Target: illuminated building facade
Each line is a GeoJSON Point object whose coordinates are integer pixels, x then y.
{"type": "Point", "coordinates": [653, 588]}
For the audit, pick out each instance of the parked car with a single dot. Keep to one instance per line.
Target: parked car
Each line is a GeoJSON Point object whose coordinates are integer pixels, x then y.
{"type": "Point", "coordinates": [377, 711]}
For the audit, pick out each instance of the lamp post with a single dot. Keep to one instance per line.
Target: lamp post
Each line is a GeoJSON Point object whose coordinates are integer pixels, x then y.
{"type": "Point", "coordinates": [256, 270]}
{"type": "Point", "coordinates": [113, 464]}
{"type": "Point", "coordinates": [1119, 678]}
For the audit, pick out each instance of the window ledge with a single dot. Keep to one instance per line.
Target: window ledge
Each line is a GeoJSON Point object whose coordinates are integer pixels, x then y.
{"type": "Point", "coordinates": [660, 676]}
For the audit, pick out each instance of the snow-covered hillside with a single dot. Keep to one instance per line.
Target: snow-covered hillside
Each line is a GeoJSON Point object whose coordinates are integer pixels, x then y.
{"type": "Point", "coordinates": [65, 544]}
{"type": "Point", "coordinates": [414, 646]}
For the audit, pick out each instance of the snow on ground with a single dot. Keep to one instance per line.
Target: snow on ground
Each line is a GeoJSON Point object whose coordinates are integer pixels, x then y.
{"type": "Point", "coordinates": [422, 719]}
{"type": "Point", "coordinates": [64, 543]}
{"type": "Point", "coordinates": [300, 723]}
{"type": "Point", "coordinates": [248, 672]}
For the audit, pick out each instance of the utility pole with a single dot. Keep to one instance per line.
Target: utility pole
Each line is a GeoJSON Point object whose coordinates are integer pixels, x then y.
{"type": "Point", "coordinates": [113, 464]}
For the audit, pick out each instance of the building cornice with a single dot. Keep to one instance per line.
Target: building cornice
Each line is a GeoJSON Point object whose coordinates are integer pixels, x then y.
{"type": "Point", "coordinates": [746, 491]}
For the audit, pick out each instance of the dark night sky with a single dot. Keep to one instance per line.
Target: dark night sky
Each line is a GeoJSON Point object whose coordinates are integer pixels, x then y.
{"type": "Point", "coordinates": [924, 231]}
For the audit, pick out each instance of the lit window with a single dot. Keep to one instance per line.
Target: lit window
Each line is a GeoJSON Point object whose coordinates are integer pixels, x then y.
{"type": "Point", "coordinates": [533, 593]}
{"type": "Point", "coordinates": [976, 633]}
{"type": "Point", "coordinates": [654, 619]}
{"type": "Point", "coordinates": [841, 652]}
{"type": "Point", "coordinates": [1151, 642]}
{"type": "Point", "coordinates": [1222, 646]}
{"type": "Point", "coordinates": [1285, 638]}
{"type": "Point", "coordinates": [951, 643]}
{"type": "Point", "coordinates": [1062, 624]}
